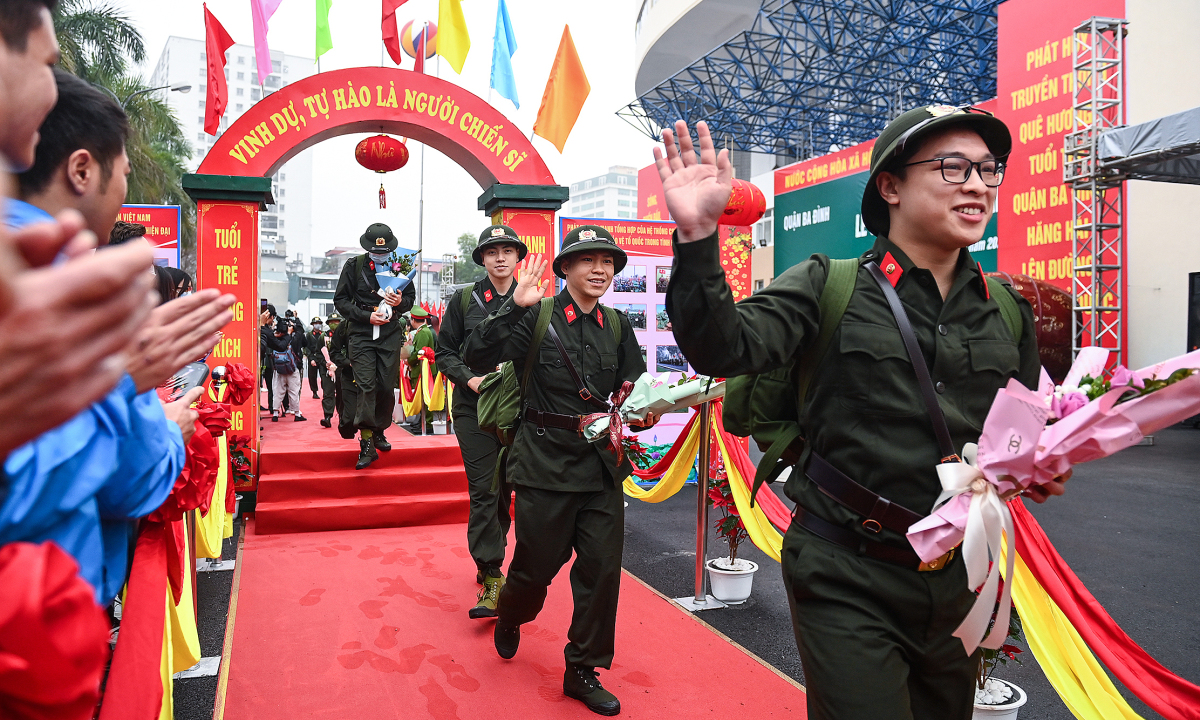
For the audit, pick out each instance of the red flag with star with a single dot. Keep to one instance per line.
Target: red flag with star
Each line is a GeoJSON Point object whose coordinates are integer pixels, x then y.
{"type": "Point", "coordinates": [217, 41]}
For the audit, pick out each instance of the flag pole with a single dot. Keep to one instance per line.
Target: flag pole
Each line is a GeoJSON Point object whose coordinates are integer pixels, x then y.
{"type": "Point", "coordinates": [421, 195]}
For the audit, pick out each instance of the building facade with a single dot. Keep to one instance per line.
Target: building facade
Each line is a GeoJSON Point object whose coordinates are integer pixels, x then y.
{"type": "Point", "coordinates": [611, 195]}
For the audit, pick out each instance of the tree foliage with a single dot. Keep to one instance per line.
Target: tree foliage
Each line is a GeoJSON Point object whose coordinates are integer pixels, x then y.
{"type": "Point", "coordinates": [465, 269]}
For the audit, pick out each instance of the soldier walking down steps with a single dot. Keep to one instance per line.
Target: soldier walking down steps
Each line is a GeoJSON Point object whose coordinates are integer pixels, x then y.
{"type": "Point", "coordinates": [873, 623]}
{"type": "Point", "coordinates": [569, 495]}
{"type": "Point", "coordinates": [498, 251]}
{"type": "Point", "coordinates": [375, 361]}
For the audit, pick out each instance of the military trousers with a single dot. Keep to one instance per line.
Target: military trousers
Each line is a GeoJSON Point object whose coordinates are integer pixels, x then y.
{"type": "Point", "coordinates": [376, 368]}
{"type": "Point", "coordinates": [488, 520]}
{"type": "Point", "coordinates": [328, 394]}
{"type": "Point", "coordinates": [347, 401]}
{"type": "Point", "coordinates": [313, 373]}
{"type": "Point", "coordinates": [875, 638]}
{"type": "Point", "coordinates": [550, 524]}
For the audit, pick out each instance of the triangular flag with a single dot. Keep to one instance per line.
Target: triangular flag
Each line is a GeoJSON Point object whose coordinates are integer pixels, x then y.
{"type": "Point", "coordinates": [453, 39]}
{"type": "Point", "coordinates": [216, 42]}
{"type": "Point", "coordinates": [421, 47]}
{"type": "Point", "coordinates": [504, 44]}
{"type": "Point", "coordinates": [261, 12]}
{"type": "Point", "coordinates": [566, 90]}
{"type": "Point", "coordinates": [324, 37]}
{"type": "Point", "coordinates": [391, 29]}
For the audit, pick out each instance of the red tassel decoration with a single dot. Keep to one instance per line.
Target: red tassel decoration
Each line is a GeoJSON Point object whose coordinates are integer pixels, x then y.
{"type": "Point", "coordinates": [382, 197]}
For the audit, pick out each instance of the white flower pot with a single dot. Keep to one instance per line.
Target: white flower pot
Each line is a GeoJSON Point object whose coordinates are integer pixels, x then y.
{"type": "Point", "coordinates": [439, 427]}
{"type": "Point", "coordinates": [731, 585]}
{"type": "Point", "coordinates": [1004, 711]}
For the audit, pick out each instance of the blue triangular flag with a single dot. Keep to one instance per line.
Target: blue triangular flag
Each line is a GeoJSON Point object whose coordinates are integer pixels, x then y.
{"type": "Point", "coordinates": [504, 45]}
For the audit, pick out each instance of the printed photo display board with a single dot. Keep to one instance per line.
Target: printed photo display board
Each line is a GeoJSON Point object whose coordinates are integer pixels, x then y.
{"type": "Point", "coordinates": [163, 229]}
{"type": "Point", "coordinates": [640, 291]}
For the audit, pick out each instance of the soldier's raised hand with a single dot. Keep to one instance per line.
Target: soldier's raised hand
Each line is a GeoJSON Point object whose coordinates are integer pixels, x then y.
{"type": "Point", "coordinates": [531, 286]}
{"type": "Point", "coordinates": [696, 191]}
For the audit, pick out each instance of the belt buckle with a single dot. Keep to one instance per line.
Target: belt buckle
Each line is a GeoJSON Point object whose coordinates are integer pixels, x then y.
{"type": "Point", "coordinates": [937, 563]}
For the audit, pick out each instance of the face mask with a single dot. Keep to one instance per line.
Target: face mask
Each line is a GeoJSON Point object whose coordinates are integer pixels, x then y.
{"type": "Point", "coordinates": [380, 258]}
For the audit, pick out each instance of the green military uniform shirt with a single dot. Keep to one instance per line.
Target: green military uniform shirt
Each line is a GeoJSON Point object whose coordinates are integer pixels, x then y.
{"type": "Point", "coordinates": [422, 338]}
{"type": "Point", "coordinates": [456, 328]}
{"type": "Point", "coordinates": [865, 414]}
{"type": "Point", "coordinates": [560, 459]}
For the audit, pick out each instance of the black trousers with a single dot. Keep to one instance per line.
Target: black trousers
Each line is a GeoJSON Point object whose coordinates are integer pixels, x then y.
{"type": "Point", "coordinates": [328, 394]}
{"type": "Point", "coordinates": [488, 520]}
{"type": "Point", "coordinates": [550, 525]}
{"type": "Point", "coordinates": [313, 373]}
{"type": "Point", "coordinates": [875, 638]}
{"type": "Point", "coordinates": [376, 368]}
{"type": "Point", "coordinates": [268, 375]}
{"type": "Point", "coordinates": [347, 401]}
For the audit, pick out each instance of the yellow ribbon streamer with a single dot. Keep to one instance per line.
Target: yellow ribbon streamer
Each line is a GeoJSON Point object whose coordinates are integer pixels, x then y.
{"type": "Point", "coordinates": [762, 533]}
{"type": "Point", "coordinates": [181, 641]}
{"type": "Point", "coordinates": [1069, 665]}
{"type": "Point", "coordinates": [210, 528]}
{"type": "Point", "coordinates": [676, 475]}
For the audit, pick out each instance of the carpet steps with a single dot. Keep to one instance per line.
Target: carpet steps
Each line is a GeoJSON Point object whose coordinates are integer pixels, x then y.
{"type": "Point", "coordinates": [360, 513]}
{"type": "Point", "coordinates": [349, 483]}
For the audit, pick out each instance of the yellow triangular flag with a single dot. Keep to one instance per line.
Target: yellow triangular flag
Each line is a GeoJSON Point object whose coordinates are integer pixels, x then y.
{"type": "Point", "coordinates": [453, 42]}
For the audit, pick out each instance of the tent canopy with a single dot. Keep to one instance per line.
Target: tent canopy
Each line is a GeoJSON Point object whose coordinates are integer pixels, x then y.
{"type": "Point", "coordinates": [1166, 149]}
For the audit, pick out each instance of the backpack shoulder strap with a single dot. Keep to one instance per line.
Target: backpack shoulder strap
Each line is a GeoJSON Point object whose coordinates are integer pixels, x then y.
{"type": "Point", "coordinates": [614, 321]}
{"type": "Point", "coordinates": [464, 301]}
{"type": "Point", "coordinates": [545, 312]}
{"type": "Point", "coordinates": [1009, 309]}
{"type": "Point", "coordinates": [839, 286]}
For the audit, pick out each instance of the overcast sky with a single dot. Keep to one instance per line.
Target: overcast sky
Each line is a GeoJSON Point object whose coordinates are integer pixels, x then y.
{"type": "Point", "coordinates": [344, 194]}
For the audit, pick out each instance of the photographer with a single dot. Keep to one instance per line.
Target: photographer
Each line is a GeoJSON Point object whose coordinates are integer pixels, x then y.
{"type": "Point", "coordinates": [285, 349]}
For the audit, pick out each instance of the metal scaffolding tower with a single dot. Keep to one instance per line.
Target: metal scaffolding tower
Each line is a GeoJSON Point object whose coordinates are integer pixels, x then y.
{"type": "Point", "coordinates": [810, 74]}
{"type": "Point", "coordinates": [1098, 238]}
{"type": "Point", "coordinates": [447, 276]}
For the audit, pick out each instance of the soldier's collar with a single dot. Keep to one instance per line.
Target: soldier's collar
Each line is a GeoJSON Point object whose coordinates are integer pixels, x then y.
{"type": "Point", "coordinates": [572, 311]}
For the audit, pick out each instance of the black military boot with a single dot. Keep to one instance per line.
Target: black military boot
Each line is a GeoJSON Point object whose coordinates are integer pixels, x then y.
{"type": "Point", "coordinates": [381, 443]}
{"type": "Point", "coordinates": [366, 453]}
{"type": "Point", "coordinates": [507, 638]}
{"type": "Point", "coordinates": [581, 682]}
{"type": "Point", "coordinates": [326, 422]}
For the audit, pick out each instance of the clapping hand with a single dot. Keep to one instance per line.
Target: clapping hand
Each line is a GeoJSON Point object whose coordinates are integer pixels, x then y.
{"type": "Point", "coordinates": [696, 191]}
{"type": "Point", "coordinates": [531, 286]}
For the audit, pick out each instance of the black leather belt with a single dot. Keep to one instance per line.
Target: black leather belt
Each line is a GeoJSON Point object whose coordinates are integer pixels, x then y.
{"type": "Point", "coordinates": [364, 306]}
{"type": "Point", "coordinates": [879, 511]}
{"type": "Point", "coordinates": [853, 541]}
{"type": "Point", "coordinates": [545, 419]}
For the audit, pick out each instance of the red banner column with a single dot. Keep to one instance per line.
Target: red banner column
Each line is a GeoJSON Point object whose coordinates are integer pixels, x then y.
{"type": "Point", "coordinates": [529, 210]}
{"type": "Point", "coordinates": [227, 259]}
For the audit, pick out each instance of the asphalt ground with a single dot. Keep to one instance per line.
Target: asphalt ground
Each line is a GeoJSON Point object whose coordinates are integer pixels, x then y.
{"type": "Point", "coordinates": [1127, 527]}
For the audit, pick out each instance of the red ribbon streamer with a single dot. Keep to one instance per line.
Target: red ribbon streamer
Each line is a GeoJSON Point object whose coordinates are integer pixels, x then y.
{"type": "Point", "coordinates": [53, 636]}
{"type": "Point", "coordinates": [1162, 690]}
{"type": "Point", "coordinates": [616, 423]}
{"type": "Point", "coordinates": [771, 505]}
{"type": "Point", "coordinates": [659, 468]}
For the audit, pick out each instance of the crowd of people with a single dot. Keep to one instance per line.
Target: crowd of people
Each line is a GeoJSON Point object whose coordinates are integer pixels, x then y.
{"type": "Point", "coordinates": [89, 328]}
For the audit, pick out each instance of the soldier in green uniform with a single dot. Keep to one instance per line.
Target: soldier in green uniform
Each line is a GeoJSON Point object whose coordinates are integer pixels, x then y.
{"type": "Point", "coordinates": [873, 624]}
{"type": "Point", "coordinates": [329, 391]}
{"type": "Point", "coordinates": [422, 338]}
{"type": "Point", "coordinates": [568, 490]}
{"type": "Point", "coordinates": [343, 377]}
{"type": "Point", "coordinates": [498, 251]}
{"type": "Point", "coordinates": [375, 360]}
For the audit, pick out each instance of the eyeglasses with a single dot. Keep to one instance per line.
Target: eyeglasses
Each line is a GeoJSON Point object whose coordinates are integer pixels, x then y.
{"type": "Point", "coordinates": [957, 170]}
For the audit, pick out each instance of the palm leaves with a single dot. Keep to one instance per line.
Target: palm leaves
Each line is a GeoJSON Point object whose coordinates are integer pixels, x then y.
{"type": "Point", "coordinates": [99, 44]}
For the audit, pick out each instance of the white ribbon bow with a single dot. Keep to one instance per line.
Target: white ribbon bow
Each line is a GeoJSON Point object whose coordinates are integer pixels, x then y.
{"type": "Point", "coordinates": [987, 518]}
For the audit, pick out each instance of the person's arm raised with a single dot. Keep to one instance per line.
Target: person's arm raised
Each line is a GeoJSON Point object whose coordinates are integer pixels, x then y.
{"type": "Point", "coordinates": [696, 191]}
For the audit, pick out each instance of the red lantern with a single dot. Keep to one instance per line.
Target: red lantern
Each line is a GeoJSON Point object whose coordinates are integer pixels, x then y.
{"type": "Point", "coordinates": [746, 205]}
{"type": "Point", "coordinates": [382, 154]}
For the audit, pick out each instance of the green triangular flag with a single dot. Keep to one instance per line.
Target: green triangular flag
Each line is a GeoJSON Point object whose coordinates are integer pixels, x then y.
{"type": "Point", "coordinates": [324, 37]}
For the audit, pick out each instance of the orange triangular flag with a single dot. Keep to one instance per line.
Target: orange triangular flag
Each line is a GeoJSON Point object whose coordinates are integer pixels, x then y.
{"type": "Point", "coordinates": [566, 91]}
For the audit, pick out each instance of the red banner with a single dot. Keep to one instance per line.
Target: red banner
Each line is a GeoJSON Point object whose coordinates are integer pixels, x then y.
{"type": "Point", "coordinates": [227, 259]}
{"type": "Point", "coordinates": [854, 159]}
{"type": "Point", "coordinates": [162, 229]}
{"type": "Point", "coordinates": [1033, 79]}
{"type": "Point", "coordinates": [652, 205]}
{"type": "Point", "coordinates": [536, 230]}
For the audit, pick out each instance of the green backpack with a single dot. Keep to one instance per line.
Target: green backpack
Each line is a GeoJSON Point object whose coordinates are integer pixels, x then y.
{"type": "Point", "coordinates": [767, 406]}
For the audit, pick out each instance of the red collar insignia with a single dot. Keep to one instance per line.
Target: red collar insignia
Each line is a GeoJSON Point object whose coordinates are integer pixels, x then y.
{"type": "Point", "coordinates": [487, 295]}
{"type": "Point", "coordinates": [569, 311]}
{"type": "Point", "coordinates": [891, 269]}
{"type": "Point", "coordinates": [600, 317]}
{"type": "Point", "coordinates": [371, 263]}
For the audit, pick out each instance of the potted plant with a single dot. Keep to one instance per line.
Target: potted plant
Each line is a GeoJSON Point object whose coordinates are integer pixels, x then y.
{"type": "Point", "coordinates": [997, 699]}
{"type": "Point", "coordinates": [731, 578]}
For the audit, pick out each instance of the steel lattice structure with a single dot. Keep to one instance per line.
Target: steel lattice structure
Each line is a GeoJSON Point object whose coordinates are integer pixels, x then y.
{"type": "Point", "coordinates": [1098, 237]}
{"type": "Point", "coordinates": [809, 74]}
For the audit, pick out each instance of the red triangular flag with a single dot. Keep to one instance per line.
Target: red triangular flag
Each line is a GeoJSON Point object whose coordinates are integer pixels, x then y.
{"type": "Point", "coordinates": [421, 49]}
{"type": "Point", "coordinates": [391, 29]}
{"type": "Point", "coordinates": [217, 41]}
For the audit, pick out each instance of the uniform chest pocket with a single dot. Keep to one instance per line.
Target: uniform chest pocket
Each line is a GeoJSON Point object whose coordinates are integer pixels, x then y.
{"type": "Point", "coordinates": [552, 372]}
{"type": "Point", "coordinates": [993, 362]}
{"type": "Point", "coordinates": [877, 375]}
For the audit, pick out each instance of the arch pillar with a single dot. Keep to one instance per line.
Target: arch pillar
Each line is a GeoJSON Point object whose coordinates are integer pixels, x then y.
{"type": "Point", "coordinates": [227, 208]}
{"type": "Point", "coordinates": [528, 209]}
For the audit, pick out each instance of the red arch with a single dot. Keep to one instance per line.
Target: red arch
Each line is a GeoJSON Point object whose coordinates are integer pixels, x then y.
{"type": "Point", "coordinates": [422, 107]}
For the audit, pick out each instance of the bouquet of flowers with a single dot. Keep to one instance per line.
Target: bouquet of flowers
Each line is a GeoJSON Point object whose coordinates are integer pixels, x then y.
{"type": "Point", "coordinates": [393, 274]}
{"type": "Point", "coordinates": [651, 394]}
{"type": "Point", "coordinates": [1030, 438]}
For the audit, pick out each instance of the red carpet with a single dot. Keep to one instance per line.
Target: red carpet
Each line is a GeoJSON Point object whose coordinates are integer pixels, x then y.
{"type": "Point", "coordinates": [307, 481]}
{"type": "Point", "coordinates": [369, 624]}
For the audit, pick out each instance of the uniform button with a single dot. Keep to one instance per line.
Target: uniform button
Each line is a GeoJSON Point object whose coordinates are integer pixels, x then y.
{"type": "Point", "coordinates": [940, 387]}
{"type": "Point", "coordinates": [942, 329]}
{"type": "Point", "coordinates": [587, 347]}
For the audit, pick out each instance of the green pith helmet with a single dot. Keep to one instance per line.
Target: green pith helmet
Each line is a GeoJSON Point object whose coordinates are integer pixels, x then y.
{"type": "Point", "coordinates": [333, 318]}
{"type": "Point", "coordinates": [496, 235]}
{"type": "Point", "coordinates": [590, 237]}
{"type": "Point", "coordinates": [378, 238]}
{"type": "Point", "coordinates": [908, 130]}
